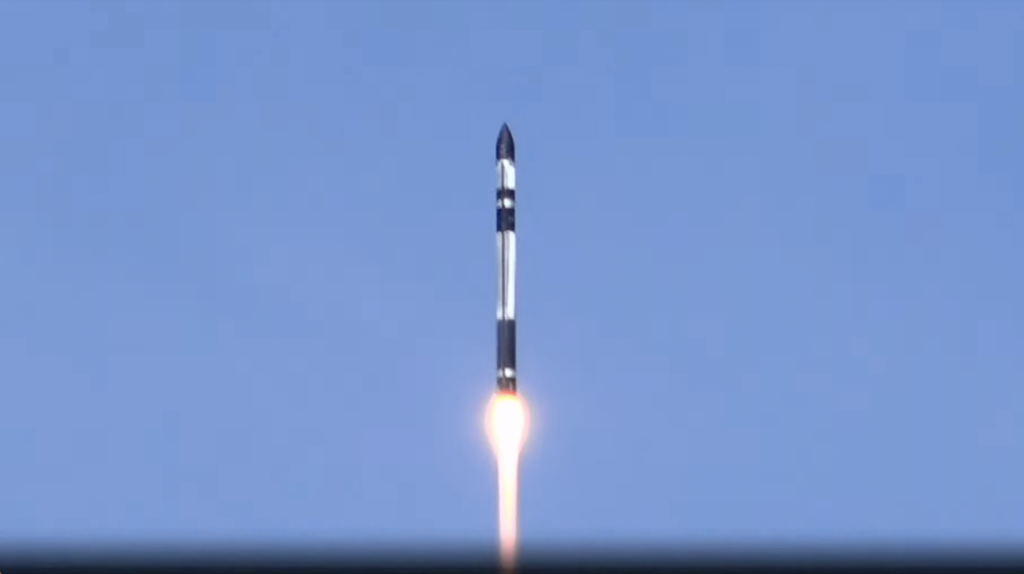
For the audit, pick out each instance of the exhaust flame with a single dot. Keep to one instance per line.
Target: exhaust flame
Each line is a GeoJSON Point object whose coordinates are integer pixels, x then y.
{"type": "Point", "coordinates": [507, 423]}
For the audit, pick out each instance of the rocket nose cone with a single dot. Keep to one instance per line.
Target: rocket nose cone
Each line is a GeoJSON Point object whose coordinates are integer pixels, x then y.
{"type": "Point", "coordinates": [506, 148]}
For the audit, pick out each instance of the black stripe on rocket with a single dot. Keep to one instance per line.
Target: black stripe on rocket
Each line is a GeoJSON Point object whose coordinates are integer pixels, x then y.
{"type": "Point", "coordinates": [506, 355]}
{"type": "Point", "coordinates": [506, 210]}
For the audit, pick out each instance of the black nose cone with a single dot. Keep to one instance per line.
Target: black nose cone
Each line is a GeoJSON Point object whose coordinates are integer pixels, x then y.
{"type": "Point", "coordinates": [506, 148]}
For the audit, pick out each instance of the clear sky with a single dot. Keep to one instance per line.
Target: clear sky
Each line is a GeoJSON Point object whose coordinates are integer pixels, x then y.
{"type": "Point", "coordinates": [770, 275]}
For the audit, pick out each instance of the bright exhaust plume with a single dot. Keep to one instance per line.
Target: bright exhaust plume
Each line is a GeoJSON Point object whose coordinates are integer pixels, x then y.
{"type": "Point", "coordinates": [507, 425]}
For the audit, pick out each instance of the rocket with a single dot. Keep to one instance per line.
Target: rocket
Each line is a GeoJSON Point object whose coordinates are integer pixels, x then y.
{"type": "Point", "coordinates": [506, 159]}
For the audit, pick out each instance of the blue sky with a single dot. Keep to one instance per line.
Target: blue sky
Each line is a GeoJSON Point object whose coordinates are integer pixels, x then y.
{"type": "Point", "coordinates": [770, 281]}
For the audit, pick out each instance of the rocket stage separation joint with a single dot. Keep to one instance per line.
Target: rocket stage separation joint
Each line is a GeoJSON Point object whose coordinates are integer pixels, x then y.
{"type": "Point", "coordinates": [506, 158]}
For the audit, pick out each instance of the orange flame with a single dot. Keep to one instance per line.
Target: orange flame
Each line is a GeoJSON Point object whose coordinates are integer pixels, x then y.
{"type": "Point", "coordinates": [508, 422]}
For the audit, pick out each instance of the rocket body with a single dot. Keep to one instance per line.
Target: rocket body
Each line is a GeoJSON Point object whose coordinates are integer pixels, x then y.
{"type": "Point", "coordinates": [506, 210]}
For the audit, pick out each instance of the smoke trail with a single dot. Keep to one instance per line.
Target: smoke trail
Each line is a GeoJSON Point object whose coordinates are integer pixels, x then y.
{"type": "Point", "coordinates": [507, 425]}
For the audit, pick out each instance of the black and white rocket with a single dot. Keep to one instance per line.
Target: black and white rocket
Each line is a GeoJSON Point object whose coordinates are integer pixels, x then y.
{"type": "Point", "coordinates": [506, 158]}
